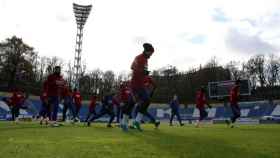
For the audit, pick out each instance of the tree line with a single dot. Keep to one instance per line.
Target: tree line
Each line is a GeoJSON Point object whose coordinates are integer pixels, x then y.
{"type": "Point", "coordinates": [22, 66]}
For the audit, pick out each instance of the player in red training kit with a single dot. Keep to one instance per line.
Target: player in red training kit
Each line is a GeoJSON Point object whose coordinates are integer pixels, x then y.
{"type": "Point", "coordinates": [45, 109]}
{"type": "Point", "coordinates": [234, 96]}
{"type": "Point", "coordinates": [116, 103]}
{"type": "Point", "coordinates": [77, 99]}
{"type": "Point", "coordinates": [139, 71]}
{"type": "Point", "coordinates": [127, 104]}
{"type": "Point", "coordinates": [67, 103]}
{"type": "Point", "coordinates": [150, 87]}
{"type": "Point", "coordinates": [54, 86]}
{"type": "Point", "coordinates": [91, 107]}
{"type": "Point", "coordinates": [200, 105]}
{"type": "Point", "coordinates": [17, 101]}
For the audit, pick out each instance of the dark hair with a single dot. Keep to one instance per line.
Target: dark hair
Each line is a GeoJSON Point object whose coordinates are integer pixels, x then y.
{"type": "Point", "coordinates": [237, 81]}
{"type": "Point", "coordinates": [148, 47]}
{"type": "Point", "coordinates": [202, 88]}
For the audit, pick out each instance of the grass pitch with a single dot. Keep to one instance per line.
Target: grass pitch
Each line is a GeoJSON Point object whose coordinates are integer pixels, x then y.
{"type": "Point", "coordinates": [30, 140]}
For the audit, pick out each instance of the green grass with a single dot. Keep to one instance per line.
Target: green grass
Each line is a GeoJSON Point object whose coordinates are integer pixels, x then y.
{"type": "Point", "coordinates": [30, 140]}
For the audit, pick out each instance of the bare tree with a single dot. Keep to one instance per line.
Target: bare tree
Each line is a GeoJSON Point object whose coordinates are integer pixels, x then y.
{"type": "Point", "coordinates": [272, 70]}
{"type": "Point", "coordinates": [70, 73]}
{"type": "Point", "coordinates": [108, 81]}
{"type": "Point", "coordinates": [234, 71]}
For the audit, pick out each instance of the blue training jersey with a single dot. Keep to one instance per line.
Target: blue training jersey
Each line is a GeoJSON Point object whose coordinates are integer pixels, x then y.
{"type": "Point", "coordinates": [174, 104]}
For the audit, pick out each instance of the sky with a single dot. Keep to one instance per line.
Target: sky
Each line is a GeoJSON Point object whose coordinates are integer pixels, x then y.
{"type": "Point", "coordinates": [185, 33]}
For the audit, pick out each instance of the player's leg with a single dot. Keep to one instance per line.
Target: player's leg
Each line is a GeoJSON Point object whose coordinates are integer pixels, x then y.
{"type": "Point", "coordinates": [55, 105]}
{"type": "Point", "coordinates": [126, 110]}
{"type": "Point", "coordinates": [71, 107]}
{"type": "Point", "coordinates": [94, 117]}
{"type": "Point", "coordinates": [118, 114]}
{"type": "Point", "coordinates": [171, 118]}
{"type": "Point", "coordinates": [143, 106]}
{"type": "Point", "coordinates": [16, 114]}
{"type": "Point", "coordinates": [42, 113]}
{"type": "Point", "coordinates": [152, 118]}
{"type": "Point", "coordinates": [236, 114]}
{"type": "Point", "coordinates": [138, 115]}
{"type": "Point", "coordinates": [112, 116]}
{"type": "Point", "coordinates": [202, 114]}
{"type": "Point", "coordinates": [64, 111]}
{"type": "Point", "coordinates": [179, 117]}
{"type": "Point", "coordinates": [13, 113]}
{"type": "Point", "coordinates": [77, 113]}
{"type": "Point", "coordinates": [88, 116]}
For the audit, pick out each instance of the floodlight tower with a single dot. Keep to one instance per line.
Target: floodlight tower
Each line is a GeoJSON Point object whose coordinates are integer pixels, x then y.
{"type": "Point", "coordinates": [81, 14]}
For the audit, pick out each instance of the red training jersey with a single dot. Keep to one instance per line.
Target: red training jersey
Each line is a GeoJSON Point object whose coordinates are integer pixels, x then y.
{"type": "Point", "coordinates": [54, 85]}
{"type": "Point", "coordinates": [200, 99]}
{"type": "Point", "coordinates": [17, 98]}
{"type": "Point", "coordinates": [77, 98]}
{"type": "Point", "coordinates": [66, 92]}
{"type": "Point", "coordinates": [139, 65]}
{"type": "Point", "coordinates": [149, 82]}
{"type": "Point", "coordinates": [125, 94]}
{"type": "Point", "coordinates": [116, 101]}
{"type": "Point", "coordinates": [44, 97]}
{"type": "Point", "coordinates": [92, 104]}
{"type": "Point", "coordinates": [234, 94]}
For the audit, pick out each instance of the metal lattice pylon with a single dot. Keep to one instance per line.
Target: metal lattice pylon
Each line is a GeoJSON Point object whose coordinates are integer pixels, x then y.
{"type": "Point", "coordinates": [81, 14]}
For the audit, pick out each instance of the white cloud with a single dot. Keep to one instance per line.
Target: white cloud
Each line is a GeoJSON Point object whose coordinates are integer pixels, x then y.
{"type": "Point", "coordinates": [115, 30]}
{"type": "Point", "coordinates": [247, 44]}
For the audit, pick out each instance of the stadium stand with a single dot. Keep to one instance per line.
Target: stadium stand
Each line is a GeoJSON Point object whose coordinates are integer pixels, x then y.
{"type": "Point", "coordinates": [248, 110]}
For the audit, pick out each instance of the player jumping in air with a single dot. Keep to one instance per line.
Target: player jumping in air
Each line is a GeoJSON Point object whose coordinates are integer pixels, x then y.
{"type": "Point", "coordinates": [54, 86]}
{"type": "Point", "coordinates": [234, 96]}
{"type": "Point", "coordinates": [127, 104]}
{"type": "Point", "coordinates": [200, 105]}
{"type": "Point", "coordinates": [174, 105]}
{"type": "Point", "coordinates": [150, 87]}
{"type": "Point", "coordinates": [139, 71]}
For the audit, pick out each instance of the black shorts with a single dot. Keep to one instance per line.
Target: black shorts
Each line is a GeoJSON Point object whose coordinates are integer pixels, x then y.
{"type": "Point", "coordinates": [235, 110]}
{"type": "Point", "coordinates": [202, 114]}
{"type": "Point", "coordinates": [128, 107]}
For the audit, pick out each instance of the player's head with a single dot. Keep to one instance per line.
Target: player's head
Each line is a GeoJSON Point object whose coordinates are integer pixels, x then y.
{"type": "Point", "coordinates": [237, 82]}
{"type": "Point", "coordinates": [17, 89]}
{"type": "Point", "coordinates": [123, 85]}
{"type": "Point", "coordinates": [202, 89]}
{"type": "Point", "coordinates": [45, 93]}
{"type": "Point", "coordinates": [112, 92]}
{"type": "Point", "coordinates": [148, 50]}
{"type": "Point", "coordinates": [5, 99]}
{"type": "Point", "coordinates": [175, 97]}
{"type": "Point", "coordinates": [57, 70]}
{"type": "Point", "coordinates": [75, 89]}
{"type": "Point", "coordinates": [94, 95]}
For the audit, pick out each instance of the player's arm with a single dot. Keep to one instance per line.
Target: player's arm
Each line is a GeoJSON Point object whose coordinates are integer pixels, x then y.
{"type": "Point", "coordinates": [81, 98]}
{"type": "Point", "coordinates": [209, 106]}
{"type": "Point", "coordinates": [207, 103]}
